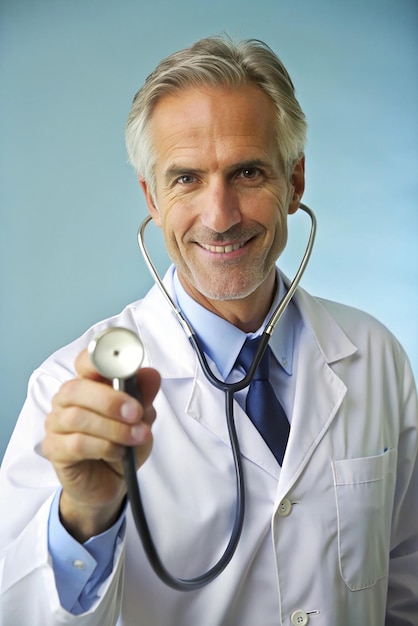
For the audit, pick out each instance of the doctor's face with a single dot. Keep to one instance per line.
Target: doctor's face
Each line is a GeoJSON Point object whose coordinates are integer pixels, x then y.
{"type": "Point", "coordinates": [221, 195]}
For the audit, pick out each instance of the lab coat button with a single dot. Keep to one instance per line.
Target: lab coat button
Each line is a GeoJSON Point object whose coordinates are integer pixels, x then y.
{"type": "Point", "coordinates": [285, 507]}
{"type": "Point", "coordinates": [299, 618]}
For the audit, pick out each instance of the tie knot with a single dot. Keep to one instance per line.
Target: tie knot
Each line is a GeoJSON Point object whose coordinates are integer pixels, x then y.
{"type": "Point", "coordinates": [246, 357]}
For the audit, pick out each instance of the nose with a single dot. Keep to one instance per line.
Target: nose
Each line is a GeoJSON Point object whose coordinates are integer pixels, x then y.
{"type": "Point", "coordinates": [220, 207]}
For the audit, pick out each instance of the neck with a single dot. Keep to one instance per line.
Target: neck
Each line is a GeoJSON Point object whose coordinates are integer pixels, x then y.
{"type": "Point", "coordinates": [246, 313]}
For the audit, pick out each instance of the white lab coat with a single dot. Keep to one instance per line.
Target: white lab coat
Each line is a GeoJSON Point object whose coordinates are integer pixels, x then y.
{"type": "Point", "coordinates": [317, 534]}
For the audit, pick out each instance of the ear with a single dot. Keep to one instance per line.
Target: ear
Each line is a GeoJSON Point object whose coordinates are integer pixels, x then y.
{"type": "Point", "coordinates": [152, 207]}
{"type": "Point", "coordinates": [297, 180]}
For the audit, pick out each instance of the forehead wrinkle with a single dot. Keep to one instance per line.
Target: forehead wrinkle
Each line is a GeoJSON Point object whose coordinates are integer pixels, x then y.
{"type": "Point", "coordinates": [219, 148]}
{"type": "Point", "coordinates": [206, 134]}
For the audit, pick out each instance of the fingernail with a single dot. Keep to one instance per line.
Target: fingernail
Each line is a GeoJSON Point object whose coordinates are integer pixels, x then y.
{"type": "Point", "coordinates": [129, 411]}
{"type": "Point", "coordinates": [137, 433]}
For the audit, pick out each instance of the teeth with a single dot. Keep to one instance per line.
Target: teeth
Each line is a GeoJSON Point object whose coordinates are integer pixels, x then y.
{"type": "Point", "coordinates": [223, 249]}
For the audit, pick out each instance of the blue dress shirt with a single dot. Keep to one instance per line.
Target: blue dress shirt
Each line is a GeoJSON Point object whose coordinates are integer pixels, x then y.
{"type": "Point", "coordinates": [222, 342]}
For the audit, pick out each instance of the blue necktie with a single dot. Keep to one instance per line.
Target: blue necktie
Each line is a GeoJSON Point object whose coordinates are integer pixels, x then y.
{"type": "Point", "coordinates": [262, 405]}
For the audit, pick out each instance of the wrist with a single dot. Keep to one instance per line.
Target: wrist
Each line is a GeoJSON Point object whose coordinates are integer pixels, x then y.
{"type": "Point", "coordinates": [83, 521]}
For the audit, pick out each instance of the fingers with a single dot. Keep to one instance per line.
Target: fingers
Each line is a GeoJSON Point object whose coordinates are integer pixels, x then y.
{"type": "Point", "coordinates": [148, 379]}
{"type": "Point", "coordinates": [99, 422]}
{"type": "Point", "coordinates": [94, 417]}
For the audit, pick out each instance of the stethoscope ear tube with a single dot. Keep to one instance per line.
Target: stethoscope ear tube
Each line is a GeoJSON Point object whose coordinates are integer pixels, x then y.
{"type": "Point", "coordinates": [280, 309]}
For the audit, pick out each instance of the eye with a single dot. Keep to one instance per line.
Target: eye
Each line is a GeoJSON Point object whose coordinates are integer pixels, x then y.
{"type": "Point", "coordinates": [249, 173]}
{"type": "Point", "coordinates": [185, 179]}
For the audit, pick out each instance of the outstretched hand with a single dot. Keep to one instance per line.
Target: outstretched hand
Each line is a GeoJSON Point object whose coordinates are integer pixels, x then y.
{"type": "Point", "coordinates": [87, 431]}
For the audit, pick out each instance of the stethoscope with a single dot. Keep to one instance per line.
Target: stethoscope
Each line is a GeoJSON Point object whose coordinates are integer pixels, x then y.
{"type": "Point", "coordinates": [117, 353]}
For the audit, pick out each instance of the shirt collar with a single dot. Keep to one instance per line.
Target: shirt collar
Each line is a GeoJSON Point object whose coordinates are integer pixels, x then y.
{"type": "Point", "coordinates": [222, 341]}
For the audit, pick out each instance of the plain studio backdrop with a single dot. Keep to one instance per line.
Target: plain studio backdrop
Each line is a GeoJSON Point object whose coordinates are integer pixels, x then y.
{"type": "Point", "coordinates": [70, 203]}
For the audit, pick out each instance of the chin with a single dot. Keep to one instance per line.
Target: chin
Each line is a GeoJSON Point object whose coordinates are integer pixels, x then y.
{"type": "Point", "coordinates": [228, 291]}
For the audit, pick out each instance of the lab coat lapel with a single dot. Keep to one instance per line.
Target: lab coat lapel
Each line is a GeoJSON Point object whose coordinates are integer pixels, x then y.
{"type": "Point", "coordinates": [207, 406]}
{"type": "Point", "coordinates": [319, 391]}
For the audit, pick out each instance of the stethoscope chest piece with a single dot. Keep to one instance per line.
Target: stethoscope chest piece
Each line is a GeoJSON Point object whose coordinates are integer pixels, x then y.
{"type": "Point", "coordinates": [116, 353]}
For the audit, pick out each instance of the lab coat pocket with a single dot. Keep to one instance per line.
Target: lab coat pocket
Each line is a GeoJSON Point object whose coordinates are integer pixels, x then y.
{"type": "Point", "coordinates": [364, 491]}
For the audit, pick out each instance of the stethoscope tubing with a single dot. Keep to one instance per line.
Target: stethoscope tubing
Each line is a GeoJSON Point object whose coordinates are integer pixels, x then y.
{"type": "Point", "coordinates": [229, 389]}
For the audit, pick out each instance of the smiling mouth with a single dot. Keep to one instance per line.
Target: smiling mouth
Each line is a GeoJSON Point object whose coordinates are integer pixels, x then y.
{"type": "Point", "coordinates": [223, 249]}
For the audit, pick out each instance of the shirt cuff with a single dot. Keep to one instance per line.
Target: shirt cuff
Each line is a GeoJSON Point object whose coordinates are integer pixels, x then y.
{"type": "Point", "coordinates": [80, 569]}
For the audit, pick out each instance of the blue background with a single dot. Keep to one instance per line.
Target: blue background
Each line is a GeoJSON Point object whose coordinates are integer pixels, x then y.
{"type": "Point", "coordinates": [70, 204]}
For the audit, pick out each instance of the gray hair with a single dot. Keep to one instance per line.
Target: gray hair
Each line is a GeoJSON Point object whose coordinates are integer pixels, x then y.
{"type": "Point", "coordinates": [217, 61]}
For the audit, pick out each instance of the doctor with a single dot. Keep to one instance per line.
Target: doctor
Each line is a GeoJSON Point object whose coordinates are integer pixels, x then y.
{"type": "Point", "coordinates": [330, 536]}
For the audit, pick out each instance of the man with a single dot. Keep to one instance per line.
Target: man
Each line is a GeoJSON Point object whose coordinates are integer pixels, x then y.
{"type": "Point", "coordinates": [330, 534]}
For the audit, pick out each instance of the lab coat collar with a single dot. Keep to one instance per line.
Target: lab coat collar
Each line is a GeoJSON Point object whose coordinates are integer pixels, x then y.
{"type": "Point", "coordinates": [332, 341]}
{"type": "Point", "coordinates": [163, 336]}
